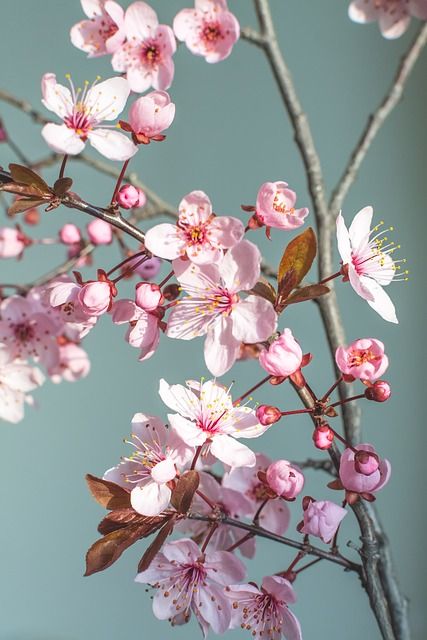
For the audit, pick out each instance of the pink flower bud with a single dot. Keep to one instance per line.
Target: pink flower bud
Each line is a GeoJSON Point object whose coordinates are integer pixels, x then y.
{"type": "Point", "coordinates": [283, 357]}
{"type": "Point", "coordinates": [32, 216]}
{"type": "Point", "coordinates": [380, 391]}
{"type": "Point", "coordinates": [322, 519]}
{"type": "Point", "coordinates": [323, 437]}
{"type": "Point", "coordinates": [150, 115]}
{"type": "Point", "coordinates": [353, 472]}
{"type": "Point", "coordinates": [95, 298]}
{"type": "Point", "coordinates": [100, 232]}
{"type": "Point", "coordinates": [267, 414]}
{"type": "Point", "coordinates": [129, 197]}
{"type": "Point", "coordinates": [69, 234]}
{"type": "Point", "coordinates": [148, 296]}
{"type": "Point", "coordinates": [12, 242]}
{"type": "Point", "coordinates": [364, 359]}
{"type": "Point", "coordinates": [286, 480]}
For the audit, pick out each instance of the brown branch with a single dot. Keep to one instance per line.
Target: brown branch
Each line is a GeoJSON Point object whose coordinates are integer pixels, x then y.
{"type": "Point", "coordinates": [377, 119]}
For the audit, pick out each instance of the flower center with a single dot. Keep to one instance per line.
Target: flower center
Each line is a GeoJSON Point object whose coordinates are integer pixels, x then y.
{"type": "Point", "coordinates": [211, 32]}
{"type": "Point", "coordinates": [258, 492]}
{"type": "Point", "coordinates": [196, 235]}
{"type": "Point", "coordinates": [23, 332]}
{"type": "Point", "coordinates": [108, 29]}
{"type": "Point", "coordinates": [280, 204]}
{"type": "Point", "coordinates": [79, 120]}
{"type": "Point", "coordinates": [151, 54]}
{"type": "Point", "coordinates": [360, 356]}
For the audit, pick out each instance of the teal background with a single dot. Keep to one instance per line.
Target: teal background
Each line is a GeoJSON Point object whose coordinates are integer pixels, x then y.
{"type": "Point", "coordinates": [230, 135]}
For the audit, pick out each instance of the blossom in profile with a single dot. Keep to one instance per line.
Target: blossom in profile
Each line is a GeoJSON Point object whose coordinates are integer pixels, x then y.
{"type": "Point", "coordinates": [393, 16]}
{"type": "Point", "coordinates": [209, 30]}
{"type": "Point", "coordinates": [275, 206]}
{"type": "Point", "coordinates": [367, 261]}
{"type": "Point", "coordinates": [285, 479]}
{"type": "Point", "coordinates": [149, 116]}
{"type": "Point", "coordinates": [188, 580]}
{"type": "Point", "coordinates": [214, 307]}
{"type": "Point", "coordinates": [104, 32]}
{"type": "Point", "coordinates": [16, 380]}
{"type": "Point", "coordinates": [146, 56]}
{"type": "Point", "coordinates": [147, 472]}
{"type": "Point", "coordinates": [205, 416]}
{"type": "Point", "coordinates": [82, 113]}
{"type": "Point", "coordinates": [321, 519]}
{"type": "Point", "coordinates": [143, 331]}
{"type": "Point", "coordinates": [264, 612]}
{"type": "Point", "coordinates": [199, 234]}
{"type": "Point", "coordinates": [363, 359]}
{"type": "Point", "coordinates": [283, 357]}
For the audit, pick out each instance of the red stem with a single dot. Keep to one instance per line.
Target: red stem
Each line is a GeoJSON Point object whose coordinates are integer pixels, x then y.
{"type": "Point", "coordinates": [62, 169]}
{"type": "Point", "coordinates": [337, 404]}
{"type": "Point", "coordinates": [334, 275]}
{"type": "Point", "coordinates": [251, 390]}
{"type": "Point", "coordinates": [331, 389]}
{"type": "Point", "coordinates": [165, 280]}
{"type": "Point", "coordinates": [291, 413]}
{"type": "Point", "coordinates": [135, 255]}
{"type": "Point", "coordinates": [119, 181]}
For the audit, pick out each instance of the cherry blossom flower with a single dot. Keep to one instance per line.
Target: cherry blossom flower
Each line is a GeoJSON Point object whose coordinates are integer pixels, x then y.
{"type": "Point", "coordinates": [208, 30]}
{"type": "Point", "coordinates": [199, 234]}
{"type": "Point", "coordinates": [27, 332]}
{"type": "Point", "coordinates": [264, 612]}
{"type": "Point", "coordinates": [283, 357]}
{"type": "Point", "coordinates": [206, 417]}
{"type": "Point", "coordinates": [275, 206]}
{"type": "Point", "coordinates": [148, 296]}
{"type": "Point", "coordinates": [149, 116]}
{"type": "Point", "coordinates": [146, 57]}
{"type": "Point", "coordinates": [214, 307]}
{"type": "Point", "coordinates": [130, 197]}
{"type": "Point", "coordinates": [321, 519]}
{"type": "Point", "coordinates": [16, 380]}
{"type": "Point", "coordinates": [82, 113]}
{"type": "Point", "coordinates": [363, 471]}
{"type": "Point", "coordinates": [73, 364]}
{"type": "Point", "coordinates": [393, 16]}
{"type": "Point", "coordinates": [364, 359]}
{"type": "Point", "coordinates": [147, 472]}
{"type": "Point", "coordinates": [188, 580]}
{"type": "Point", "coordinates": [104, 31]}
{"type": "Point", "coordinates": [275, 515]}
{"type": "Point", "coordinates": [286, 480]}
{"type": "Point", "coordinates": [12, 242]}
{"type": "Point", "coordinates": [367, 262]}
{"type": "Point", "coordinates": [143, 331]}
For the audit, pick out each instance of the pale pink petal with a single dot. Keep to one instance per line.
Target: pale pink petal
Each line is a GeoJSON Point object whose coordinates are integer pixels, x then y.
{"type": "Point", "coordinates": [280, 588]}
{"type": "Point", "coordinates": [62, 139]}
{"type": "Point", "coordinates": [392, 24]}
{"type": "Point", "coordinates": [11, 404]}
{"type": "Point", "coordinates": [214, 608]}
{"type": "Point", "coordinates": [254, 319]}
{"type": "Point", "coordinates": [188, 431]}
{"type": "Point", "coordinates": [344, 246]}
{"type": "Point", "coordinates": [232, 452]}
{"type": "Point", "coordinates": [163, 471]}
{"type": "Point", "coordinates": [221, 347]}
{"type": "Point", "coordinates": [204, 254]}
{"type": "Point", "coordinates": [240, 268]}
{"type": "Point", "coordinates": [362, 11]}
{"type": "Point", "coordinates": [149, 347]}
{"type": "Point", "coordinates": [360, 227]}
{"type": "Point", "coordinates": [381, 302]}
{"type": "Point", "coordinates": [92, 8]}
{"type": "Point", "coordinates": [112, 144]}
{"type": "Point", "coordinates": [227, 567]}
{"type": "Point", "coordinates": [291, 627]}
{"type": "Point", "coordinates": [56, 97]}
{"type": "Point", "coordinates": [179, 398]}
{"type": "Point", "coordinates": [418, 8]}
{"type": "Point", "coordinates": [150, 499]}
{"type": "Point", "coordinates": [139, 78]}
{"type": "Point", "coordinates": [184, 22]}
{"type": "Point", "coordinates": [164, 241]}
{"type": "Point", "coordinates": [149, 429]}
{"type": "Point", "coordinates": [275, 517]}
{"type": "Point", "coordinates": [107, 99]}
{"type": "Point", "coordinates": [123, 311]}
{"type": "Point", "coordinates": [164, 76]}
{"type": "Point", "coordinates": [140, 21]}
{"type": "Point", "coordinates": [226, 231]}
{"type": "Point", "coordinates": [195, 208]}
{"type": "Point", "coordinates": [359, 283]}
{"type": "Point", "coordinates": [63, 292]}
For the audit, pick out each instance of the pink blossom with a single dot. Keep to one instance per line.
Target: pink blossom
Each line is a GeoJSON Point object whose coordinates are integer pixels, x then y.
{"type": "Point", "coordinates": [367, 262]}
{"type": "Point", "coordinates": [188, 580]}
{"type": "Point", "coordinates": [16, 380]}
{"type": "Point", "coordinates": [393, 16]}
{"type": "Point", "coordinates": [129, 197]}
{"type": "Point", "coordinates": [323, 436]}
{"type": "Point", "coordinates": [70, 234]}
{"type": "Point", "coordinates": [286, 480]}
{"type": "Point", "coordinates": [275, 206]}
{"type": "Point", "coordinates": [96, 298]}
{"type": "Point", "coordinates": [364, 359]}
{"type": "Point", "coordinates": [143, 331]}
{"type": "Point", "coordinates": [27, 332]}
{"type": "Point", "coordinates": [267, 414]}
{"type": "Point", "coordinates": [199, 234]}
{"type": "Point", "coordinates": [148, 296]}
{"type": "Point", "coordinates": [63, 295]}
{"type": "Point", "coordinates": [149, 116]}
{"type": "Point", "coordinates": [207, 418]}
{"type": "Point", "coordinates": [208, 30]}
{"type": "Point", "coordinates": [104, 32]}
{"type": "Point", "coordinates": [146, 57]}
{"type": "Point", "coordinates": [283, 357]}
{"type": "Point", "coordinates": [214, 306]}
{"type": "Point", "coordinates": [73, 364]}
{"type": "Point", "coordinates": [12, 242]}
{"type": "Point", "coordinates": [365, 473]}
{"type": "Point", "coordinates": [148, 471]}
{"type": "Point", "coordinates": [380, 391]}
{"type": "Point", "coordinates": [100, 232]}
{"type": "Point", "coordinates": [322, 519]}
{"type": "Point", "coordinates": [275, 515]}
{"type": "Point", "coordinates": [82, 114]}
{"type": "Point", "coordinates": [264, 612]}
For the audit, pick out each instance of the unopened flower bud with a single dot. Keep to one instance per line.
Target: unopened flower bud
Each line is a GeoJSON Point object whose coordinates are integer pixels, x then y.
{"type": "Point", "coordinates": [267, 414]}
{"type": "Point", "coordinates": [129, 197]}
{"type": "Point", "coordinates": [171, 292]}
{"type": "Point", "coordinates": [148, 296]}
{"type": "Point", "coordinates": [366, 462]}
{"type": "Point", "coordinates": [100, 232]}
{"type": "Point", "coordinates": [283, 357]}
{"type": "Point", "coordinates": [32, 216]}
{"type": "Point", "coordinates": [69, 234]}
{"type": "Point", "coordinates": [323, 436]}
{"type": "Point", "coordinates": [285, 479]}
{"type": "Point", "coordinates": [380, 391]}
{"type": "Point", "coordinates": [95, 297]}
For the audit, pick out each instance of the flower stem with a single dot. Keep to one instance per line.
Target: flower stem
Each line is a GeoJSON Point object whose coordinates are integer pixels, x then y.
{"type": "Point", "coordinates": [62, 168]}
{"type": "Point", "coordinates": [165, 280]}
{"type": "Point", "coordinates": [119, 181]}
{"type": "Point", "coordinates": [334, 275]}
{"type": "Point", "coordinates": [135, 255]}
{"type": "Point", "coordinates": [251, 390]}
{"type": "Point", "coordinates": [296, 411]}
{"type": "Point", "coordinates": [340, 402]}
{"type": "Point", "coordinates": [330, 390]}
{"type": "Point", "coordinates": [213, 528]}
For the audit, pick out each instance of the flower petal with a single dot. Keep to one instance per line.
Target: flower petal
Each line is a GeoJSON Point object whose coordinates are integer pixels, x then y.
{"type": "Point", "coordinates": [112, 144]}
{"type": "Point", "coordinates": [164, 241]}
{"type": "Point", "coordinates": [232, 452]}
{"type": "Point", "coordinates": [163, 471]}
{"type": "Point", "coordinates": [381, 302]}
{"type": "Point", "coordinates": [343, 239]}
{"type": "Point", "coordinates": [254, 319]}
{"type": "Point", "coordinates": [221, 347]}
{"type": "Point", "coordinates": [151, 499]}
{"type": "Point", "coordinates": [360, 227]}
{"type": "Point", "coordinates": [107, 99]}
{"type": "Point", "coordinates": [62, 139]}
{"type": "Point", "coordinates": [240, 268]}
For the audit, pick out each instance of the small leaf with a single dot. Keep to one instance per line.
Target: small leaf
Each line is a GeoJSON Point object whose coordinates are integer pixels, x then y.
{"type": "Point", "coordinates": [296, 262]}
{"type": "Point", "coordinates": [156, 545]}
{"type": "Point", "coordinates": [265, 290]}
{"type": "Point", "coordinates": [123, 517]}
{"type": "Point", "coordinates": [108, 494]}
{"type": "Point", "coordinates": [61, 186]}
{"type": "Point", "coordinates": [26, 176]}
{"type": "Point", "coordinates": [182, 495]}
{"type": "Point", "coordinates": [23, 205]}
{"type": "Point", "coordinates": [307, 293]}
{"type": "Point", "coordinates": [104, 552]}
{"type": "Point", "coordinates": [23, 190]}
{"type": "Point", "coordinates": [336, 485]}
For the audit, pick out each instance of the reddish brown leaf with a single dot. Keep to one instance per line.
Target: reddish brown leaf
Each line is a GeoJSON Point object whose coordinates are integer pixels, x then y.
{"type": "Point", "coordinates": [62, 185]}
{"type": "Point", "coordinates": [23, 190]}
{"type": "Point", "coordinates": [184, 491]}
{"type": "Point", "coordinates": [23, 205]}
{"type": "Point", "coordinates": [123, 517]}
{"type": "Point", "coordinates": [307, 293]}
{"type": "Point", "coordinates": [26, 176]}
{"type": "Point", "coordinates": [265, 290]}
{"type": "Point", "coordinates": [295, 263]}
{"type": "Point", "coordinates": [108, 494]}
{"type": "Point", "coordinates": [156, 545]}
{"type": "Point", "coordinates": [330, 412]}
{"type": "Point", "coordinates": [104, 552]}
{"type": "Point", "coordinates": [336, 485]}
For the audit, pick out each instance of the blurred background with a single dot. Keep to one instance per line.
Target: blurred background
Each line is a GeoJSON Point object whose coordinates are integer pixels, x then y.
{"type": "Point", "coordinates": [230, 135]}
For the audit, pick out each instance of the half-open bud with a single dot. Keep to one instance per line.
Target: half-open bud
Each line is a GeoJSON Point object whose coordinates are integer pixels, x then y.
{"type": "Point", "coordinates": [379, 391]}
{"type": "Point", "coordinates": [323, 436]}
{"type": "Point", "coordinates": [267, 414]}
